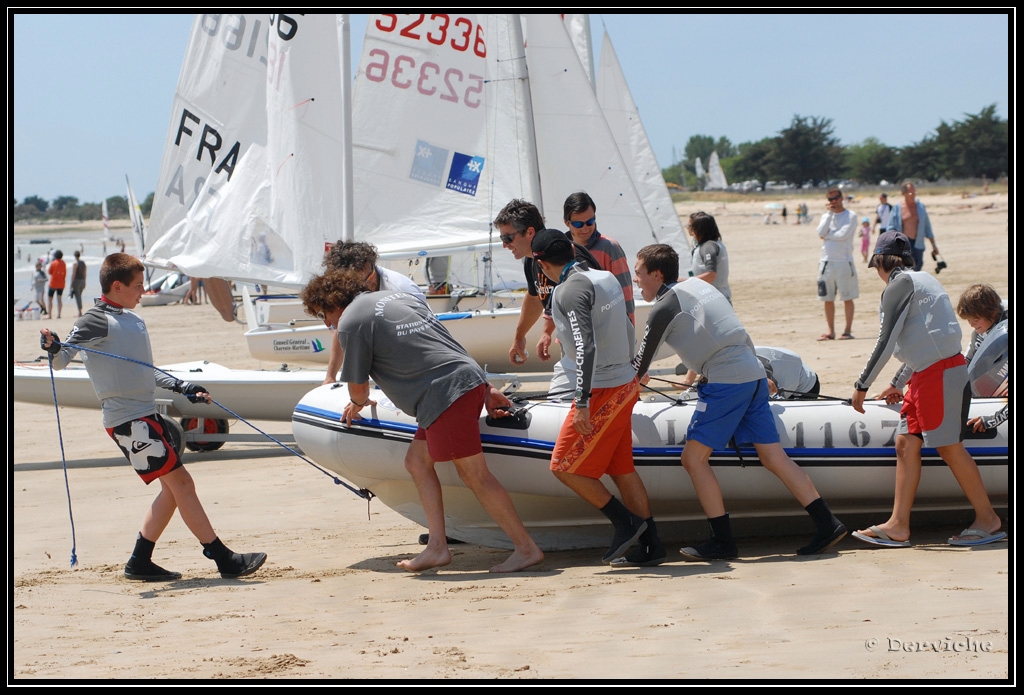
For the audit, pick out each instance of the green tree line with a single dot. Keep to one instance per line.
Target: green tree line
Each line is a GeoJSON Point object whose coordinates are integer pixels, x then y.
{"type": "Point", "coordinates": [67, 207]}
{"type": "Point", "coordinates": [808, 152]}
{"type": "Point", "coordinates": [805, 152]}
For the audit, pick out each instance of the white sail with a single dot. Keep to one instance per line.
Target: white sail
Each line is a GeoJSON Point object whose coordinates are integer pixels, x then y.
{"type": "Point", "coordinates": [578, 26]}
{"type": "Point", "coordinates": [135, 214]}
{"type": "Point", "coordinates": [699, 170]}
{"type": "Point", "coordinates": [250, 184]}
{"type": "Point", "coordinates": [716, 177]}
{"type": "Point", "coordinates": [624, 120]}
{"type": "Point", "coordinates": [106, 220]}
{"type": "Point", "coordinates": [442, 138]}
{"type": "Point", "coordinates": [575, 147]}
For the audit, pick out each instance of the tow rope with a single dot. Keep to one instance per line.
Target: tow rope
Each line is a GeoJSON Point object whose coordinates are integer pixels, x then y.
{"type": "Point", "coordinates": [361, 493]}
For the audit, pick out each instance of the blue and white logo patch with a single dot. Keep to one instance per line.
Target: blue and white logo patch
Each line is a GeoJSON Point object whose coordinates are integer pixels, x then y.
{"type": "Point", "coordinates": [428, 163]}
{"type": "Point", "coordinates": [465, 173]}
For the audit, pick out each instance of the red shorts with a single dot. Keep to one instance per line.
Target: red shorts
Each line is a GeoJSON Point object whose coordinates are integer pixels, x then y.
{"type": "Point", "coordinates": [148, 445]}
{"type": "Point", "coordinates": [455, 434]}
{"type": "Point", "coordinates": [936, 403]}
{"type": "Point", "coordinates": [609, 448]}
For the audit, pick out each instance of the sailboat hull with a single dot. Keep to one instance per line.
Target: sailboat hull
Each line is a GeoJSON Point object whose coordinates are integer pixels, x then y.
{"type": "Point", "coordinates": [250, 393]}
{"type": "Point", "coordinates": [486, 335]}
{"type": "Point", "coordinates": [849, 456]}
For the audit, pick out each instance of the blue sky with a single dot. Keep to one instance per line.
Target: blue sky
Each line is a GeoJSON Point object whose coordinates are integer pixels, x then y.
{"type": "Point", "coordinates": [92, 93]}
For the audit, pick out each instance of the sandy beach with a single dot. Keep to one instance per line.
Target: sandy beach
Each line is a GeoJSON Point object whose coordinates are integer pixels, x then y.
{"type": "Point", "coordinates": [330, 603]}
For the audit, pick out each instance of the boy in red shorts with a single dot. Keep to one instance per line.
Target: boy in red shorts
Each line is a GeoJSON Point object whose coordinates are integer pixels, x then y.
{"type": "Point", "coordinates": [920, 328]}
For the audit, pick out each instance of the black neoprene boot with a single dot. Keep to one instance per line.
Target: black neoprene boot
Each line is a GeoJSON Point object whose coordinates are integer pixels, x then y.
{"type": "Point", "coordinates": [141, 568]}
{"type": "Point", "coordinates": [232, 565]}
{"type": "Point", "coordinates": [628, 527]}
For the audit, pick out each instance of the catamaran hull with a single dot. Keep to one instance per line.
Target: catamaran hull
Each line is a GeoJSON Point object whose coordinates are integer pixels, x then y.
{"type": "Point", "coordinates": [249, 393]}
{"type": "Point", "coordinates": [849, 456]}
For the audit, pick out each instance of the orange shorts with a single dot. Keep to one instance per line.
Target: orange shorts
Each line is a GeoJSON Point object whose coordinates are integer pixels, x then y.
{"type": "Point", "coordinates": [609, 448]}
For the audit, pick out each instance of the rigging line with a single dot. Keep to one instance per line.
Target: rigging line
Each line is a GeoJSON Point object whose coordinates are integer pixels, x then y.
{"type": "Point", "coordinates": [817, 396]}
{"type": "Point", "coordinates": [364, 494]}
{"type": "Point", "coordinates": [675, 399]}
{"type": "Point", "coordinates": [64, 463]}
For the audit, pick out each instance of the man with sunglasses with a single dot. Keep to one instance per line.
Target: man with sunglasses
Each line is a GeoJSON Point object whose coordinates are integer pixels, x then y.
{"type": "Point", "coordinates": [837, 273]}
{"type": "Point", "coordinates": [580, 216]}
{"type": "Point", "coordinates": [353, 255]}
{"type": "Point", "coordinates": [517, 223]}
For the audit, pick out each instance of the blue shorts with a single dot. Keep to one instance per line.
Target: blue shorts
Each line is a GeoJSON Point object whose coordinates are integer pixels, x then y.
{"type": "Point", "coordinates": [725, 411]}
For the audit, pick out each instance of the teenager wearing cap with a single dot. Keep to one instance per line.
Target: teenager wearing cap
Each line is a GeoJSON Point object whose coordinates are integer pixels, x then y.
{"type": "Point", "coordinates": [699, 324]}
{"type": "Point", "coordinates": [596, 438]}
{"type": "Point", "coordinates": [919, 327]}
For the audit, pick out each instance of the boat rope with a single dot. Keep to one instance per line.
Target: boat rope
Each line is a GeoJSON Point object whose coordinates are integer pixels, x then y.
{"type": "Point", "coordinates": [817, 396]}
{"type": "Point", "coordinates": [362, 493]}
{"type": "Point", "coordinates": [64, 463]}
{"type": "Point", "coordinates": [675, 399]}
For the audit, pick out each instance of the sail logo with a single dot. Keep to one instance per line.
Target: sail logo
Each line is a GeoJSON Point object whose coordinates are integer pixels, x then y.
{"type": "Point", "coordinates": [317, 345]}
{"type": "Point", "coordinates": [428, 163]}
{"type": "Point", "coordinates": [465, 173]}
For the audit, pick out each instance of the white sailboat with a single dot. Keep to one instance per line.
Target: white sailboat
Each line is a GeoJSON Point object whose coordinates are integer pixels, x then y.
{"type": "Point", "coordinates": [514, 128]}
{"type": "Point", "coordinates": [106, 221]}
{"type": "Point", "coordinates": [699, 171]}
{"type": "Point", "coordinates": [716, 176]}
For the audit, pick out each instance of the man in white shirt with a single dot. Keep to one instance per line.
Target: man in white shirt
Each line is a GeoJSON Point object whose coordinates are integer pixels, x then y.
{"type": "Point", "coordinates": [837, 273]}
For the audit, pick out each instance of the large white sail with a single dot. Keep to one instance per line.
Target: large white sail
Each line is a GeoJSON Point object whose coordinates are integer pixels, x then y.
{"type": "Point", "coordinates": [578, 26]}
{"type": "Point", "coordinates": [575, 147]}
{"type": "Point", "coordinates": [442, 137]}
{"type": "Point", "coordinates": [716, 176]}
{"type": "Point", "coordinates": [250, 183]}
{"type": "Point", "coordinates": [624, 120]}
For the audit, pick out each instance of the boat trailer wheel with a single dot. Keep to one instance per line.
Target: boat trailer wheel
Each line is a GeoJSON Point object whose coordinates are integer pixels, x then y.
{"type": "Point", "coordinates": [207, 426]}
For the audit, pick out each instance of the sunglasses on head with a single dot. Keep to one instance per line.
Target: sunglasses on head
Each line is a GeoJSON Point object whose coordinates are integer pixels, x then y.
{"type": "Point", "coordinates": [834, 198]}
{"type": "Point", "coordinates": [320, 316]}
{"type": "Point", "coordinates": [507, 238]}
{"type": "Point", "coordinates": [581, 225]}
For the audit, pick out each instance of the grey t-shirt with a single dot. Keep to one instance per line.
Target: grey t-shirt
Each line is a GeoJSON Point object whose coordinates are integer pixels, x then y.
{"type": "Point", "coordinates": [919, 327]}
{"type": "Point", "coordinates": [592, 324]}
{"type": "Point", "coordinates": [126, 389]}
{"type": "Point", "coordinates": [393, 338]}
{"type": "Point", "coordinates": [699, 324]}
{"type": "Point", "coordinates": [711, 256]}
{"type": "Point", "coordinates": [787, 370]}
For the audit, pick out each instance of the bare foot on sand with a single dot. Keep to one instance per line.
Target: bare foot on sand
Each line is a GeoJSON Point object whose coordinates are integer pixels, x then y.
{"type": "Point", "coordinates": [519, 560]}
{"type": "Point", "coordinates": [426, 560]}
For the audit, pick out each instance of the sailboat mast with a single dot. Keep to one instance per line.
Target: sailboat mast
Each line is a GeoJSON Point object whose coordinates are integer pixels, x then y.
{"type": "Point", "coordinates": [345, 52]}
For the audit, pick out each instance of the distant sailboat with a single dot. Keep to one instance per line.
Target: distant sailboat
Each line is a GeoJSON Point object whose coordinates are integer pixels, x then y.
{"type": "Point", "coordinates": [106, 221]}
{"type": "Point", "coordinates": [716, 177]}
{"type": "Point", "coordinates": [699, 170]}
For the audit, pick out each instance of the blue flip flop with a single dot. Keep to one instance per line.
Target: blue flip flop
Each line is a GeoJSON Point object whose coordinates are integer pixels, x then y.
{"type": "Point", "coordinates": [982, 537]}
{"type": "Point", "coordinates": [880, 538]}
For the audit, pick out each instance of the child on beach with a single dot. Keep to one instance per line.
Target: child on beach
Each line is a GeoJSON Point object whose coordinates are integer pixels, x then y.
{"type": "Point", "coordinates": [151, 443]}
{"type": "Point", "coordinates": [865, 238]}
